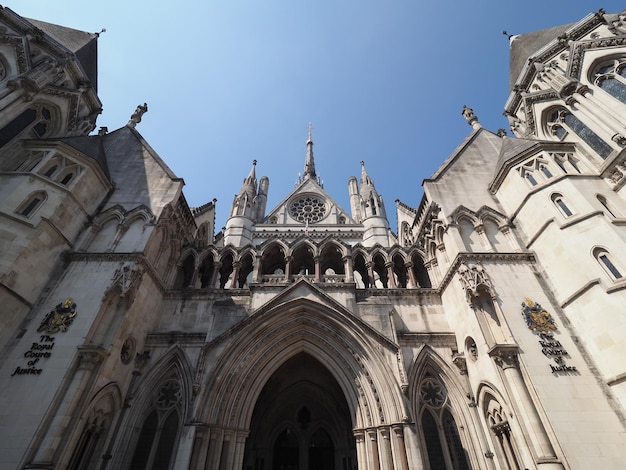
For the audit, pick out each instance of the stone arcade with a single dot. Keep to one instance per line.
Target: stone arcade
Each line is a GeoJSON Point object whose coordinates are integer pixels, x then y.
{"type": "Point", "coordinates": [485, 334]}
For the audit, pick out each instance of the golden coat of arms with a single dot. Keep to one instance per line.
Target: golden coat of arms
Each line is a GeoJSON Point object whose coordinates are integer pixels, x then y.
{"type": "Point", "coordinates": [537, 318]}
{"type": "Point", "coordinates": [59, 318]}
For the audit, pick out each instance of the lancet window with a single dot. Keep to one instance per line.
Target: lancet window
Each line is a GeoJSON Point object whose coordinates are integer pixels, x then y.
{"type": "Point", "coordinates": [35, 118]}
{"type": "Point", "coordinates": [535, 171]}
{"type": "Point", "coordinates": [608, 264]}
{"type": "Point", "coordinates": [559, 202]}
{"type": "Point", "coordinates": [561, 122]}
{"type": "Point", "coordinates": [440, 432]}
{"type": "Point", "coordinates": [31, 204]}
{"type": "Point", "coordinates": [505, 445]}
{"type": "Point", "coordinates": [157, 439]}
{"type": "Point", "coordinates": [566, 162]}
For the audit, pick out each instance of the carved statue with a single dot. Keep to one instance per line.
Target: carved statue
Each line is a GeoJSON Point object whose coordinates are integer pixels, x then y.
{"type": "Point", "coordinates": [136, 117]}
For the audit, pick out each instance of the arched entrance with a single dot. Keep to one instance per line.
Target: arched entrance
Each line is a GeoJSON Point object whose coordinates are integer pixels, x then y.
{"type": "Point", "coordinates": [301, 421]}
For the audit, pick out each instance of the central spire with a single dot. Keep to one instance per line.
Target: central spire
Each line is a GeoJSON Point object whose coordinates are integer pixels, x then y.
{"type": "Point", "coordinates": [309, 163]}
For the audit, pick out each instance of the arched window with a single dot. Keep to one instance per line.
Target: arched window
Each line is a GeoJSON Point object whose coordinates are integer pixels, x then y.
{"type": "Point", "coordinates": [30, 205]}
{"type": "Point", "coordinates": [36, 118]}
{"type": "Point", "coordinates": [561, 122]}
{"type": "Point", "coordinates": [440, 433]}
{"type": "Point", "coordinates": [156, 443]}
{"type": "Point", "coordinates": [544, 169]}
{"type": "Point", "coordinates": [505, 445]}
{"type": "Point", "coordinates": [612, 79]}
{"type": "Point", "coordinates": [608, 206]}
{"type": "Point", "coordinates": [606, 261]}
{"type": "Point", "coordinates": [558, 201]}
{"type": "Point", "coordinates": [531, 179]}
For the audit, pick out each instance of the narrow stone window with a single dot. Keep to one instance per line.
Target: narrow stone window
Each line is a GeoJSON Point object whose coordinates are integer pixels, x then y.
{"type": "Point", "coordinates": [561, 122]}
{"type": "Point", "coordinates": [606, 261]}
{"type": "Point", "coordinates": [558, 201]}
{"type": "Point", "coordinates": [28, 207]}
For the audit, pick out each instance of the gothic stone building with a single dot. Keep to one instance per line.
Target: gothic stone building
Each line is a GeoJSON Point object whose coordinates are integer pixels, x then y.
{"type": "Point", "coordinates": [485, 334]}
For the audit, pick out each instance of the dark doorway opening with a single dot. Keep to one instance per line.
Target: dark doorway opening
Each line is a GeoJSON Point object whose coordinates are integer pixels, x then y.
{"type": "Point", "coordinates": [301, 421]}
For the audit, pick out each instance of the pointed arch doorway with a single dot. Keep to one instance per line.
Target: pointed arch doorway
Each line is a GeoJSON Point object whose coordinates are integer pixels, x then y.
{"type": "Point", "coordinates": [301, 421]}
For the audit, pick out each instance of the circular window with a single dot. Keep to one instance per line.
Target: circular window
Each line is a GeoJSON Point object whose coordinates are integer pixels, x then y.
{"type": "Point", "coordinates": [168, 395]}
{"type": "Point", "coordinates": [432, 392]}
{"type": "Point", "coordinates": [308, 209]}
{"type": "Point", "coordinates": [128, 350]}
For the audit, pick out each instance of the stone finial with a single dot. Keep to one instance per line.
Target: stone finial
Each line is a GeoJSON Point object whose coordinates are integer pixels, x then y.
{"type": "Point", "coordinates": [136, 116]}
{"type": "Point", "coordinates": [501, 132]}
{"type": "Point", "coordinates": [470, 117]}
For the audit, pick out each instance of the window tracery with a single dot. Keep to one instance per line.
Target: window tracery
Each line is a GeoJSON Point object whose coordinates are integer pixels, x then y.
{"type": "Point", "coordinates": [612, 79]}
{"type": "Point", "coordinates": [440, 432]}
{"type": "Point", "coordinates": [157, 439]}
{"type": "Point", "coordinates": [561, 122]}
{"type": "Point", "coordinates": [535, 171]}
{"type": "Point", "coordinates": [496, 419]}
{"type": "Point", "coordinates": [36, 120]}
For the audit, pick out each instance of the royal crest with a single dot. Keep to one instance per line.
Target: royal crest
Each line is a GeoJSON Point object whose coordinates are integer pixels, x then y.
{"type": "Point", "coordinates": [537, 319]}
{"type": "Point", "coordinates": [60, 318]}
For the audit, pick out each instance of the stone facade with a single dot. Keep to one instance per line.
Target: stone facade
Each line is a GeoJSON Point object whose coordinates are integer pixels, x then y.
{"type": "Point", "coordinates": [485, 334]}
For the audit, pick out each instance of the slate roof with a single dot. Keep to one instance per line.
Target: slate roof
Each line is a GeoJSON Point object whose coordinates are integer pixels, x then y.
{"type": "Point", "coordinates": [83, 45]}
{"type": "Point", "coordinates": [525, 45]}
{"type": "Point", "coordinates": [90, 146]}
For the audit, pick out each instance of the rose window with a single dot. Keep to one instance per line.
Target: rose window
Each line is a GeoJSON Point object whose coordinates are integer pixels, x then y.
{"type": "Point", "coordinates": [432, 392]}
{"type": "Point", "coordinates": [169, 394]}
{"type": "Point", "coordinates": [308, 209]}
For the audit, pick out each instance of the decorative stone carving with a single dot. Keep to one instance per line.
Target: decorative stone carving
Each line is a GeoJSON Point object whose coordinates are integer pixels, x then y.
{"type": "Point", "coordinates": [59, 318]}
{"type": "Point", "coordinates": [127, 276]}
{"type": "Point", "coordinates": [473, 278]}
{"type": "Point", "coordinates": [432, 392]}
{"type": "Point", "coordinates": [470, 117]}
{"type": "Point", "coordinates": [619, 139]}
{"type": "Point", "coordinates": [136, 116]}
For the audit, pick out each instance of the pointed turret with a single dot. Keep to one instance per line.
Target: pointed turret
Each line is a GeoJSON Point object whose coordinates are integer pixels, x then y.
{"type": "Point", "coordinates": [242, 203]}
{"type": "Point", "coordinates": [372, 203]}
{"type": "Point", "coordinates": [369, 209]}
{"type": "Point", "coordinates": [309, 163]}
{"type": "Point", "coordinates": [244, 211]}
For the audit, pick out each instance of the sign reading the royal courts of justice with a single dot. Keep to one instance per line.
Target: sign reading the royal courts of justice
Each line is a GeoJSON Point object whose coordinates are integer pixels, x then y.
{"type": "Point", "coordinates": [57, 320]}
{"type": "Point", "coordinates": [542, 324]}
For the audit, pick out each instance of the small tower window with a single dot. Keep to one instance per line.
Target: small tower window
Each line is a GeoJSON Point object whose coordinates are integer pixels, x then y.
{"type": "Point", "coordinates": [606, 261]}
{"type": "Point", "coordinates": [558, 201]}
{"type": "Point", "coordinates": [546, 171]}
{"type": "Point", "coordinates": [531, 179]}
{"type": "Point", "coordinates": [28, 207]}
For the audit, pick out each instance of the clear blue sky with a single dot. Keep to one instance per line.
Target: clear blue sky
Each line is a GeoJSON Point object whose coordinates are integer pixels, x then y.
{"type": "Point", "coordinates": [232, 81]}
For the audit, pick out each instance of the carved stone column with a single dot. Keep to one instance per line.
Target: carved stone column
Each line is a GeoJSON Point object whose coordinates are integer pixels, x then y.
{"type": "Point", "coordinates": [200, 449]}
{"type": "Point", "coordinates": [361, 451]}
{"type": "Point", "coordinates": [506, 358]}
{"type": "Point", "coordinates": [288, 260]}
{"type": "Point", "coordinates": [235, 275]}
{"type": "Point", "coordinates": [372, 447]}
{"type": "Point", "coordinates": [484, 239]}
{"type": "Point", "coordinates": [215, 273]}
{"type": "Point", "coordinates": [347, 264]}
{"type": "Point", "coordinates": [318, 269]}
{"type": "Point", "coordinates": [399, 451]}
{"type": "Point", "coordinates": [370, 273]}
{"type": "Point", "coordinates": [391, 277]}
{"type": "Point", "coordinates": [411, 275]}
